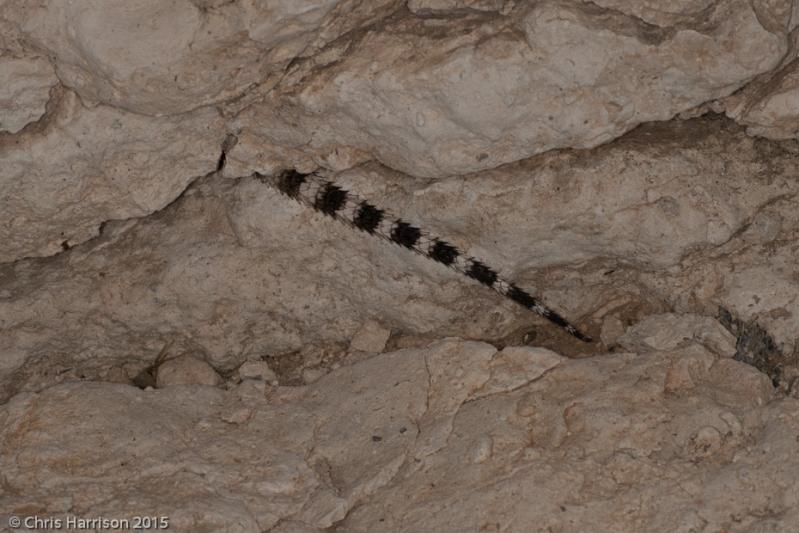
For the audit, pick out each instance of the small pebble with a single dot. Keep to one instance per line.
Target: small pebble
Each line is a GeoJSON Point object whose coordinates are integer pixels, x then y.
{"type": "Point", "coordinates": [186, 370]}
{"type": "Point", "coordinates": [372, 337]}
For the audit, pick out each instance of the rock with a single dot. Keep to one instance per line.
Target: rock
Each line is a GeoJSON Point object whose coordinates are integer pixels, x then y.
{"type": "Point", "coordinates": [433, 100]}
{"type": "Point", "coordinates": [670, 331]}
{"type": "Point", "coordinates": [689, 370]}
{"type": "Point", "coordinates": [733, 375]}
{"type": "Point", "coordinates": [186, 370]}
{"type": "Point", "coordinates": [27, 82]}
{"type": "Point", "coordinates": [257, 370]}
{"type": "Point", "coordinates": [612, 329]}
{"type": "Point", "coordinates": [371, 337]}
{"type": "Point", "coordinates": [249, 390]}
{"type": "Point", "coordinates": [705, 442]}
{"type": "Point", "coordinates": [61, 182]}
{"type": "Point", "coordinates": [631, 164]}
{"type": "Point", "coordinates": [171, 57]}
{"type": "Point", "coordinates": [238, 416]}
{"type": "Point", "coordinates": [343, 452]}
{"type": "Point", "coordinates": [236, 252]}
{"type": "Point", "coordinates": [517, 365]}
{"type": "Point", "coordinates": [768, 106]}
{"type": "Point", "coordinates": [422, 7]}
{"type": "Point", "coordinates": [309, 375]}
{"type": "Point", "coordinates": [751, 279]}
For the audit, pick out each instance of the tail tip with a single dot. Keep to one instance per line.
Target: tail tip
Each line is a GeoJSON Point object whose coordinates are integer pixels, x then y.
{"type": "Point", "coordinates": [574, 332]}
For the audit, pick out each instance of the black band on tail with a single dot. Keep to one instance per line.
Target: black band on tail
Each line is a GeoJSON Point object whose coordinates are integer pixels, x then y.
{"type": "Point", "coordinates": [290, 181]}
{"type": "Point", "coordinates": [528, 301]}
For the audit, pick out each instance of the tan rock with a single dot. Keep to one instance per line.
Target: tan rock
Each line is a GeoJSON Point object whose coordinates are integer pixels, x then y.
{"type": "Point", "coordinates": [492, 90]}
{"type": "Point", "coordinates": [246, 273]}
{"type": "Point", "coordinates": [342, 452]}
{"type": "Point", "coordinates": [119, 240]}
{"type": "Point", "coordinates": [768, 106]}
{"type": "Point", "coordinates": [186, 370]}
{"type": "Point", "coordinates": [371, 337]}
{"type": "Point", "coordinates": [257, 370]}
{"type": "Point", "coordinates": [169, 57]}
{"type": "Point", "coordinates": [25, 91]}
{"type": "Point", "coordinates": [428, 6]}
{"type": "Point", "coordinates": [91, 165]}
{"type": "Point", "coordinates": [670, 331]}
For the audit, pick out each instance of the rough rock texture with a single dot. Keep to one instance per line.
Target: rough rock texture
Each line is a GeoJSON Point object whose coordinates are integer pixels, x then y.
{"type": "Point", "coordinates": [173, 56]}
{"type": "Point", "coordinates": [769, 107]}
{"type": "Point", "coordinates": [178, 338]}
{"type": "Point", "coordinates": [25, 91]}
{"type": "Point", "coordinates": [84, 166]}
{"type": "Point", "coordinates": [434, 97]}
{"type": "Point", "coordinates": [453, 437]}
{"type": "Point", "coordinates": [217, 273]}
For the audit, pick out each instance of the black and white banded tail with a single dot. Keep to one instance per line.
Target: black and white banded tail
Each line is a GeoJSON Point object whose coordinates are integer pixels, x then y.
{"type": "Point", "coordinates": [330, 199]}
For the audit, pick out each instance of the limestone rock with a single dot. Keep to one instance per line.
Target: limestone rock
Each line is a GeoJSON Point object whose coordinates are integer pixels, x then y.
{"type": "Point", "coordinates": [768, 106]}
{"type": "Point", "coordinates": [752, 276]}
{"type": "Point", "coordinates": [631, 163]}
{"type": "Point", "coordinates": [25, 90]}
{"type": "Point", "coordinates": [257, 370]}
{"type": "Point", "coordinates": [169, 57]}
{"type": "Point", "coordinates": [245, 273]}
{"type": "Point", "coordinates": [670, 331]}
{"type": "Point", "coordinates": [86, 166]}
{"type": "Point", "coordinates": [434, 100]}
{"type": "Point", "coordinates": [422, 7]}
{"type": "Point", "coordinates": [515, 366]}
{"type": "Point", "coordinates": [186, 370]}
{"type": "Point", "coordinates": [371, 337]}
{"type": "Point", "coordinates": [572, 443]}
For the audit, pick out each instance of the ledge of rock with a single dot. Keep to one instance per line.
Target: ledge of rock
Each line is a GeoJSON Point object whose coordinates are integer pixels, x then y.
{"type": "Point", "coordinates": [454, 436]}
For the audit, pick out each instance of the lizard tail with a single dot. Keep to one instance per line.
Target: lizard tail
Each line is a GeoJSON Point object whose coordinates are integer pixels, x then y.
{"type": "Point", "coordinates": [326, 197]}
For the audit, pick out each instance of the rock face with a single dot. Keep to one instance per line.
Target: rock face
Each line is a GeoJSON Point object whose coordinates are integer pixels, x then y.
{"type": "Point", "coordinates": [170, 57]}
{"type": "Point", "coordinates": [84, 166]}
{"type": "Point", "coordinates": [27, 82]}
{"type": "Point", "coordinates": [457, 436]}
{"type": "Point", "coordinates": [177, 338]}
{"type": "Point", "coordinates": [238, 271]}
{"type": "Point", "coordinates": [435, 99]}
